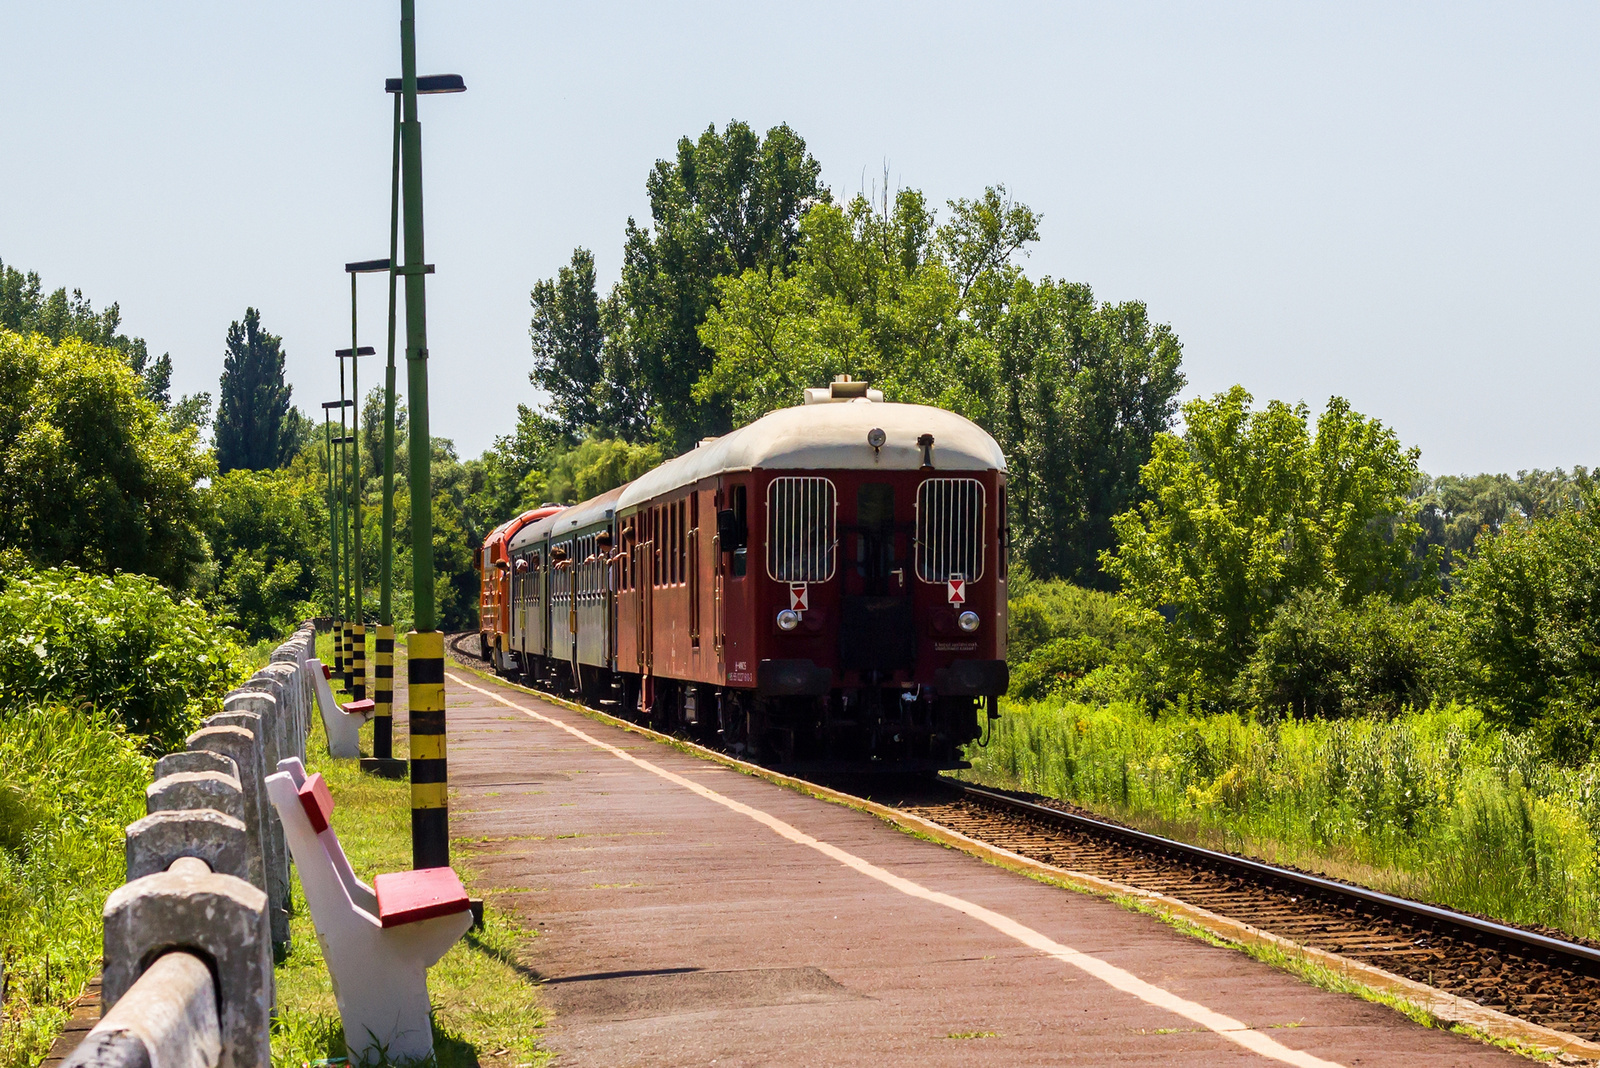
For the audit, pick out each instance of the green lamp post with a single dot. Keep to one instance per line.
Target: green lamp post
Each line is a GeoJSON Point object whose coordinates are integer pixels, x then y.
{"type": "Point", "coordinates": [430, 840]}
{"type": "Point", "coordinates": [337, 610]}
{"type": "Point", "coordinates": [382, 761]}
{"type": "Point", "coordinates": [358, 635]}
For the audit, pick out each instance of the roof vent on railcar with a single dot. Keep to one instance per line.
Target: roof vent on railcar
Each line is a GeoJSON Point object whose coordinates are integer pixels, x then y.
{"type": "Point", "coordinates": [843, 388]}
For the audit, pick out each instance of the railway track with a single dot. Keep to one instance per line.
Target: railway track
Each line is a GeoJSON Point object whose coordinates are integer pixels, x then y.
{"type": "Point", "coordinates": [1534, 975]}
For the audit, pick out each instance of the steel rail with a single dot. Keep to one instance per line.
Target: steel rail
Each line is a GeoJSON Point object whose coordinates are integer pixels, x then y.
{"type": "Point", "coordinates": [1261, 870]}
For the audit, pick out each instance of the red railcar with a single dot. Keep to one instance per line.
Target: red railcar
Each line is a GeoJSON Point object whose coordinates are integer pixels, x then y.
{"type": "Point", "coordinates": [829, 581]}
{"type": "Point", "coordinates": [494, 594]}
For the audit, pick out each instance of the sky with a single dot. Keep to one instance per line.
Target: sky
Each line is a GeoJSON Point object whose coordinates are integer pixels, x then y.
{"type": "Point", "coordinates": [1391, 203]}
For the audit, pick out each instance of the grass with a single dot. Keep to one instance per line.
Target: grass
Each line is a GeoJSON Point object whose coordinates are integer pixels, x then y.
{"type": "Point", "coordinates": [486, 1003]}
{"type": "Point", "coordinates": [72, 780]}
{"type": "Point", "coordinates": [1434, 804]}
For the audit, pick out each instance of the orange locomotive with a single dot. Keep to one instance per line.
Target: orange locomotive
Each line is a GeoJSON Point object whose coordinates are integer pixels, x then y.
{"type": "Point", "coordinates": [494, 595]}
{"type": "Point", "coordinates": [827, 582]}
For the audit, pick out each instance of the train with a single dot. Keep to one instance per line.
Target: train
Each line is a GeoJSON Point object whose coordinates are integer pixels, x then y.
{"type": "Point", "coordinates": [826, 583]}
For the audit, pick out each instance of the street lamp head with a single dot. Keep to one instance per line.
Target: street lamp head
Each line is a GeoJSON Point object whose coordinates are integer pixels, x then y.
{"type": "Point", "coordinates": [429, 84]}
{"type": "Point", "coordinates": [364, 350]}
{"type": "Point", "coordinates": [367, 266]}
{"type": "Point", "coordinates": [337, 404]}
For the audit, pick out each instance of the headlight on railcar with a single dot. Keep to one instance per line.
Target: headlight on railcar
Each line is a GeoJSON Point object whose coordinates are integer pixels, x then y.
{"type": "Point", "coordinates": [788, 619]}
{"type": "Point", "coordinates": [968, 621]}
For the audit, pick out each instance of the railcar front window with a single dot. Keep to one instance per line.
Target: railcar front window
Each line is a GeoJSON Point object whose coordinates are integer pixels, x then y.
{"type": "Point", "coordinates": [800, 529]}
{"type": "Point", "coordinates": [950, 529]}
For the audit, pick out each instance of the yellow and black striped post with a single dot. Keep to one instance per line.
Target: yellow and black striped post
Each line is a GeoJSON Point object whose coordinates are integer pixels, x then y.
{"type": "Point", "coordinates": [358, 647]}
{"type": "Point", "coordinates": [338, 648]}
{"type": "Point", "coordinates": [383, 695]}
{"type": "Point", "coordinates": [349, 658]}
{"type": "Point", "coordinates": [382, 762]}
{"type": "Point", "coordinates": [430, 814]}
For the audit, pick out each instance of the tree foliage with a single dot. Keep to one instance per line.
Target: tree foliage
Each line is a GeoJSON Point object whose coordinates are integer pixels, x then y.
{"type": "Point", "coordinates": [1074, 391]}
{"type": "Point", "coordinates": [1455, 509]}
{"type": "Point", "coordinates": [1320, 656]}
{"type": "Point", "coordinates": [1526, 610]}
{"type": "Point", "coordinates": [729, 202]}
{"type": "Point", "coordinates": [26, 309]}
{"type": "Point", "coordinates": [1246, 509]}
{"type": "Point", "coordinates": [254, 428]}
{"type": "Point", "coordinates": [581, 358]}
{"type": "Point", "coordinates": [90, 472]}
{"type": "Point", "coordinates": [268, 534]}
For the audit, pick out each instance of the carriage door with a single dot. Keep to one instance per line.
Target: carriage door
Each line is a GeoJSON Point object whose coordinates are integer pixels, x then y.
{"type": "Point", "coordinates": [570, 581]}
{"type": "Point", "coordinates": [644, 582]}
{"type": "Point", "coordinates": [693, 569]}
{"type": "Point", "coordinates": [609, 581]}
{"type": "Point", "coordinates": [876, 632]}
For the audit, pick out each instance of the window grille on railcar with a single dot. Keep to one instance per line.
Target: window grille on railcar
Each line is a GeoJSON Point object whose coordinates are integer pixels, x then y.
{"type": "Point", "coordinates": [950, 529]}
{"type": "Point", "coordinates": [800, 529]}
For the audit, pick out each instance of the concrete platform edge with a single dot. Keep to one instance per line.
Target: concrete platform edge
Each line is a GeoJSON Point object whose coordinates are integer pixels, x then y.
{"type": "Point", "coordinates": [1316, 966]}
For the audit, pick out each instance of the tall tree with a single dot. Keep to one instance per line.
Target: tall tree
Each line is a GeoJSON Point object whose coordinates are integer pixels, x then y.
{"type": "Point", "coordinates": [730, 202]}
{"type": "Point", "coordinates": [582, 359]}
{"type": "Point", "coordinates": [1076, 392]}
{"type": "Point", "coordinates": [253, 428]}
{"type": "Point", "coordinates": [1247, 509]}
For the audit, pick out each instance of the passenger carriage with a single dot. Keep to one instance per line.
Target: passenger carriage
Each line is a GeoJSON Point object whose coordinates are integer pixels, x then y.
{"type": "Point", "coordinates": [829, 581]}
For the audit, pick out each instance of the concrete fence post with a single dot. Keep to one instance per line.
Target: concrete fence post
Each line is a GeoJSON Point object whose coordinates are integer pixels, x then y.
{"type": "Point", "coordinates": [239, 735]}
{"type": "Point", "coordinates": [265, 706]}
{"type": "Point", "coordinates": [289, 677]}
{"type": "Point", "coordinates": [191, 760]}
{"type": "Point", "coordinates": [220, 919]}
{"type": "Point", "coordinates": [284, 730]}
{"type": "Point", "coordinates": [187, 977]}
{"type": "Point", "coordinates": [196, 789]}
{"type": "Point", "coordinates": [154, 843]}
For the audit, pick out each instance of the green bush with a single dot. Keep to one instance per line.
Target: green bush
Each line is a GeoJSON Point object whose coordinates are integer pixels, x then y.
{"type": "Point", "coordinates": [1526, 615]}
{"type": "Point", "coordinates": [1321, 657]}
{"type": "Point", "coordinates": [91, 472]}
{"type": "Point", "coordinates": [121, 644]}
{"type": "Point", "coordinates": [1065, 639]}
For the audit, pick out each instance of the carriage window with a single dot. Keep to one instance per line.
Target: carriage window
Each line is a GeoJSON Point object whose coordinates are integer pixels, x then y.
{"type": "Point", "coordinates": [1005, 531]}
{"type": "Point", "coordinates": [680, 518]}
{"type": "Point", "coordinates": [800, 520]}
{"type": "Point", "coordinates": [672, 544]}
{"type": "Point", "coordinates": [950, 529]}
{"type": "Point", "coordinates": [737, 501]}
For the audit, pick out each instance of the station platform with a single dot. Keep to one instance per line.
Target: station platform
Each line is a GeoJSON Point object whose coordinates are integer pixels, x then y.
{"type": "Point", "coordinates": [691, 914]}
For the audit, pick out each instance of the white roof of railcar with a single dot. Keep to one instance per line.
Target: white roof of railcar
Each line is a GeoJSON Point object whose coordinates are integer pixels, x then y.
{"type": "Point", "coordinates": [828, 437]}
{"type": "Point", "coordinates": [579, 515]}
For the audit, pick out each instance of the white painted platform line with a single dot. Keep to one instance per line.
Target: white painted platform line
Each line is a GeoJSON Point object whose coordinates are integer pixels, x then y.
{"type": "Point", "coordinates": [1233, 1030]}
